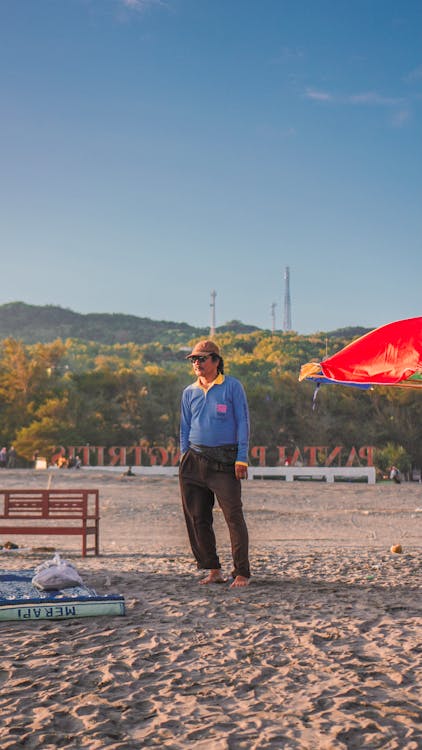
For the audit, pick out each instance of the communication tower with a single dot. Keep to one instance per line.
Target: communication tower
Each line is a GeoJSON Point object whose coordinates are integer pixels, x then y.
{"type": "Point", "coordinates": [287, 318]}
{"type": "Point", "coordinates": [212, 306]}
{"type": "Point", "coordinates": [273, 306]}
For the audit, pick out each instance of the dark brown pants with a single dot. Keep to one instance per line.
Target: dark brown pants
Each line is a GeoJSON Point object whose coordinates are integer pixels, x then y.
{"type": "Point", "coordinates": [201, 480]}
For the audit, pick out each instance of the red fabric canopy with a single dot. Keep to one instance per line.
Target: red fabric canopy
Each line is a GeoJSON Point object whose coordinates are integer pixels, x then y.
{"type": "Point", "coordinates": [386, 356]}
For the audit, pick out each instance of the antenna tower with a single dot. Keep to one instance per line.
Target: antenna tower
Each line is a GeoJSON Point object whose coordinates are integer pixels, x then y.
{"type": "Point", "coordinates": [273, 306]}
{"type": "Point", "coordinates": [287, 319]}
{"type": "Point", "coordinates": [212, 306]}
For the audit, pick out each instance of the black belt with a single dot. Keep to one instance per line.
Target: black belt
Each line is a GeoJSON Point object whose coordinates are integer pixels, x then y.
{"type": "Point", "coordinates": [223, 454]}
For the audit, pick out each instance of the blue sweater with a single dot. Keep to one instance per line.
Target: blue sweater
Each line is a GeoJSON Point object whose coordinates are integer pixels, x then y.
{"type": "Point", "coordinates": [217, 416]}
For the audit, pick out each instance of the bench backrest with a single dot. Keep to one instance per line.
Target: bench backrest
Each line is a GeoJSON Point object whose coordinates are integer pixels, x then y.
{"type": "Point", "coordinates": [49, 504]}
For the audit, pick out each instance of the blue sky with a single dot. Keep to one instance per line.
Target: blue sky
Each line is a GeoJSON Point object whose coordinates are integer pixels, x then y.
{"type": "Point", "coordinates": [155, 150]}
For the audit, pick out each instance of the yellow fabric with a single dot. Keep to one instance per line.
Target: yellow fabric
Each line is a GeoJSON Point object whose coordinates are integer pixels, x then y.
{"type": "Point", "coordinates": [219, 379]}
{"type": "Point", "coordinates": [309, 370]}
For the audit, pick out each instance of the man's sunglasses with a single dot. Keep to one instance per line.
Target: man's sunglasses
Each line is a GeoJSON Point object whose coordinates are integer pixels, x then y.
{"type": "Point", "coordinates": [200, 358]}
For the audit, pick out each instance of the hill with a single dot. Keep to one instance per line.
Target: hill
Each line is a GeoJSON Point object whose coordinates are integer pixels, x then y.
{"type": "Point", "coordinates": [33, 324]}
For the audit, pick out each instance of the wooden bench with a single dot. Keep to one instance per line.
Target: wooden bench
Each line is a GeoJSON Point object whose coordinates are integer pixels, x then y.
{"type": "Point", "coordinates": [61, 512]}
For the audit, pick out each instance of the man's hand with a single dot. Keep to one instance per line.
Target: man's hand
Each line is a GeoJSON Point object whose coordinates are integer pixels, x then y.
{"type": "Point", "coordinates": [241, 471]}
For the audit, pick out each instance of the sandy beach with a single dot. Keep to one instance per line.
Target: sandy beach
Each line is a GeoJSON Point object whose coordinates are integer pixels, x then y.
{"type": "Point", "coordinates": [322, 650]}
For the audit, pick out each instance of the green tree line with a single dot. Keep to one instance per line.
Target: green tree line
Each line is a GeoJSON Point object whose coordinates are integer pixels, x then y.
{"type": "Point", "coordinates": [72, 392]}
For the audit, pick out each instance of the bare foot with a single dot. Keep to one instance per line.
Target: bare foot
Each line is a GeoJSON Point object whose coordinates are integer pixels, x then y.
{"type": "Point", "coordinates": [239, 581]}
{"type": "Point", "coordinates": [214, 576]}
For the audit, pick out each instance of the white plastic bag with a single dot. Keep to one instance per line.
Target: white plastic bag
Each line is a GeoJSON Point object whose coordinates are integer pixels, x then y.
{"type": "Point", "coordinates": [56, 574]}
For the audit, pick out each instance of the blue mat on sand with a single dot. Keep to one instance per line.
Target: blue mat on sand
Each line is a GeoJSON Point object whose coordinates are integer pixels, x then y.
{"type": "Point", "coordinates": [20, 600]}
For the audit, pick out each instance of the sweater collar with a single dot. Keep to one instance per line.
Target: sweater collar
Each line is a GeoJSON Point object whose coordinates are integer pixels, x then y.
{"type": "Point", "coordinates": [218, 380]}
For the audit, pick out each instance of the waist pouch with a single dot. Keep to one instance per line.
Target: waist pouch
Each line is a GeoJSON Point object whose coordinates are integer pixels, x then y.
{"type": "Point", "coordinates": [222, 454]}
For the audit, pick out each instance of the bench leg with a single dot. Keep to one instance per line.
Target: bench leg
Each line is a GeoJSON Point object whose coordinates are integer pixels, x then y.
{"type": "Point", "coordinates": [84, 543]}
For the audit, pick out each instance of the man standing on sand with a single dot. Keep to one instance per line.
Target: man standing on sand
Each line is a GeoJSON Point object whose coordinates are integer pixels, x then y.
{"type": "Point", "coordinates": [214, 439]}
